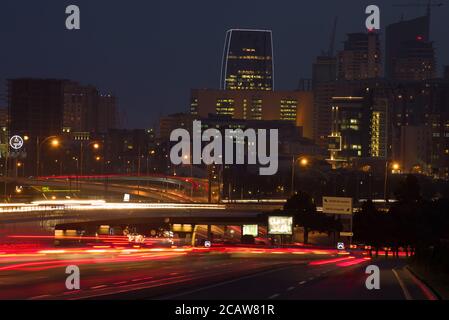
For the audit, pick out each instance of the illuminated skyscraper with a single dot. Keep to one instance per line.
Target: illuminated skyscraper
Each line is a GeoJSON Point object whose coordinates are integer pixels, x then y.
{"type": "Point", "coordinates": [247, 60]}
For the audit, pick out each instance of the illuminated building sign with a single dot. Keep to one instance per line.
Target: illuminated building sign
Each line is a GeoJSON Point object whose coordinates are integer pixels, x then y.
{"type": "Point", "coordinates": [250, 230]}
{"type": "Point", "coordinates": [280, 225]}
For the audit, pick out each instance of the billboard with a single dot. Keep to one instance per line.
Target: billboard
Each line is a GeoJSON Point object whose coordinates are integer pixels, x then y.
{"type": "Point", "coordinates": [250, 230]}
{"type": "Point", "coordinates": [337, 205]}
{"type": "Point", "coordinates": [280, 225]}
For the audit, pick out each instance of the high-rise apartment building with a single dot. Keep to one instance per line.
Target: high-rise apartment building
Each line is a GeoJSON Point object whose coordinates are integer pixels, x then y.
{"type": "Point", "coordinates": [409, 53]}
{"type": "Point", "coordinates": [247, 60]}
{"type": "Point", "coordinates": [361, 57]}
{"type": "Point", "coordinates": [324, 72]}
{"type": "Point", "coordinates": [46, 107]}
{"type": "Point", "coordinates": [415, 61]}
{"type": "Point", "coordinates": [350, 135]}
{"type": "Point", "coordinates": [79, 107]}
{"type": "Point", "coordinates": [107, 113]}
{"type": "Point", "coordinates": [36, 106]}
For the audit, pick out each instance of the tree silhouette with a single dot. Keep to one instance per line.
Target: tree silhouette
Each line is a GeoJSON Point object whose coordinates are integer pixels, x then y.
{"type": "Point", "coordinates": [408, 190]}
{"type": "Point", "coordinates": [371, 226]}
{"type": "Point", "coordinates": [412, 222]}
{"type": "Point", "coordinates": [303, 209]}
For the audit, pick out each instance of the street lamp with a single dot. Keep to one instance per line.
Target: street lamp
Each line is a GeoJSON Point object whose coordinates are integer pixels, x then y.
{"type": "Point", "coordinates": [303, 162]}
{"type": "Point", "coordinates": [54, 143]}
{"type": "Point", "coordinates": [396, 167]}
{"type": "Point", "coordinates": [94, 144]}
{"type": "Point", "coordinates": [186, 157]}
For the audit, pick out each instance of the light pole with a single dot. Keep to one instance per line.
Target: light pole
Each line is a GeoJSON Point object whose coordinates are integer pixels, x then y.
{"type": "Point", "coordinates": [96, 146]}
{"type": "Point", "coordinates": [396, 167]}
{"type": "Point", "coordinates": [54, 143]}
{"type": "Point", "coordinates": [304, 162]}
{"type": "Point", "coordinates": [191, 174]}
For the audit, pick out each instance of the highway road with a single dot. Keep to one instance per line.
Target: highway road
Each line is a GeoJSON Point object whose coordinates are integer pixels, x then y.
{"type": "Point", "coordinates": [216, 273]}
{"type": "Point", "coordinates": [325, 282]}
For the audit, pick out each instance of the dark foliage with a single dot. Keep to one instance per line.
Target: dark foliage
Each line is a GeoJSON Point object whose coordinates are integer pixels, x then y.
{"type": "Point", "coordinates": [412, 223]}
{"type": "Point", "coordinates": [303, 209]}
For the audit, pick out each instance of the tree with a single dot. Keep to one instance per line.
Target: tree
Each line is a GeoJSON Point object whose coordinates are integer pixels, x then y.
{"type": "Point", "coordinates": [370, 226]}
{"type": "Point", "coordinates": [409, 190]}
{"type": "Point", "coordinates": [408, 219]}
{"type": "Point", "coordinates": [303, 209]}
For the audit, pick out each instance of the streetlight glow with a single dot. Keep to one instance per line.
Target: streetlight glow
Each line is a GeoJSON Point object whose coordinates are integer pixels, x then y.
{"type": "Point", "coordinates": [55, 142]}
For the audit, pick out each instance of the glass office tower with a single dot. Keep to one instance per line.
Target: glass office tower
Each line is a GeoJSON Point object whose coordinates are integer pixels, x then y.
{"type": "Point", "coordinates": [247, 60]}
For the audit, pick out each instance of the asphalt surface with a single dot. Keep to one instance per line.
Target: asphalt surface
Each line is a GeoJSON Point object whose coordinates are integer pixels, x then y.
{"type": "Point", "coordinates": [174, 275]}
{"type": "Point", "coordinates": [306, 282]}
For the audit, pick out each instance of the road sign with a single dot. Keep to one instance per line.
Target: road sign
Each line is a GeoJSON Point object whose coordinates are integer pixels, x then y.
{"type": "Point", "coordinates": [346, 234]}
{"type": "Point", "coordinates": [337, 205]}
{"type": "Point", "coordinates": [207, 244]}
{"type": "Point", "coordinates": [340, 246]}
{"type": "Point", "coordinates": [16, 142]}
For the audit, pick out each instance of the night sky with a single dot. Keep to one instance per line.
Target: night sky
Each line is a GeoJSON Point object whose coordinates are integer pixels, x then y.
{"type": "Point", "coordinates": [150, 53]}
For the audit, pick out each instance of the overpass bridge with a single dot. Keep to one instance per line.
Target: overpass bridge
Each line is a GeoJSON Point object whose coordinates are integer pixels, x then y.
{"type": "Point", "coordinates": [154, 188]}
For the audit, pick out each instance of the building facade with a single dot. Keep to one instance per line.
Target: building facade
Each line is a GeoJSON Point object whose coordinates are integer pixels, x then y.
{"type": "Point", "coordinates": [361, 57]}
{"type": "Point", "coordinates": [409, 53]}
{"type": "Point", "coordinates": [247, 60]}
{"type": "Point", "coordinates": [294, 106]}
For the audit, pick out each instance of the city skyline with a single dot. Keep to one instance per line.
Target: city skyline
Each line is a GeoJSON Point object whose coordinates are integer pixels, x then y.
{"type": "Point", "coordinates": [168, 90]}
{"type": "Point", "coordinates": [247, 150]}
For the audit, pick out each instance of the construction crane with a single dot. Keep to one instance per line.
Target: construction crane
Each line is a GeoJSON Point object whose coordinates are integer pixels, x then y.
{"type": "Point", "coordinates": [428, 5]}
{"type": "Point", "coordinates": [330, 51]}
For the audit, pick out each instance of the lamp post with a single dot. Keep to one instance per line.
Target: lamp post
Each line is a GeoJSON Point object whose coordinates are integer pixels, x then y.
{"type": "Point", "coordinates": [304, 162]}
{"type": "Point", "coordinates": [54, 143]}
{"type": "Point", "coordinates": [96, 146]}
{"type": "Point", "coordinates": [191, 175]}
{"type": "Point", "coordinates": [396, 167]}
